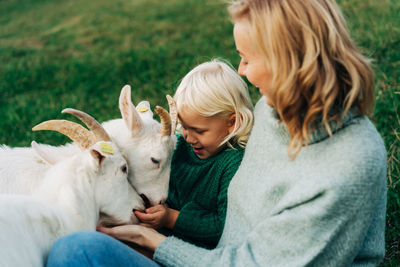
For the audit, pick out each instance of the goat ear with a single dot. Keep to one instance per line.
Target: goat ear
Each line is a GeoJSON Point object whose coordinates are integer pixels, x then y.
{"type": "Point", "coordinates": [46, 157]}
{"type": "Point", "coordinates": [98, 157]}
{"type": "Point", "coordinates": [128, 111]}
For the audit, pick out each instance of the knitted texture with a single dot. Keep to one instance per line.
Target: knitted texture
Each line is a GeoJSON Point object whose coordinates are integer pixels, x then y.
{"type": "Point", "coordinates": [198, 189]}
{"type": "Point", "coordinates": [325, 208]}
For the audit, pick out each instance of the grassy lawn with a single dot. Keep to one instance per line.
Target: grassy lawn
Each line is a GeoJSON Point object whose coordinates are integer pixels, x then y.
{"type": "Point", "coordinates": [57, 54]}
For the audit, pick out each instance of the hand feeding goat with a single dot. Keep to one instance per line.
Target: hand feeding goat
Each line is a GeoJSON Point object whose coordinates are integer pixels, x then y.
{"type": "Point", "coordinates": [73, 194]}
{"type": "Point", "coordinates": [146, 144]}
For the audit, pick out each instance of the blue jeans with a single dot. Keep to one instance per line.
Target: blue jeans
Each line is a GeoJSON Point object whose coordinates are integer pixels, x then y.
{"type": "Point", "coordinates": [90, 248]}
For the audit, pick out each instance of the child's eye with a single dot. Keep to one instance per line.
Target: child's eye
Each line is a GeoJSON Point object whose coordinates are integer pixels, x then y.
{"type": "Point", "coordinates": [200, 131]}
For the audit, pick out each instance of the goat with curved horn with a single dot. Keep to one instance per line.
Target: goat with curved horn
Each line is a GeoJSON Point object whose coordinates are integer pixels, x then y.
{"type": "Point", "coordinates": [76, 132]}
{"type": "Point", "coordinates": [90, 122]}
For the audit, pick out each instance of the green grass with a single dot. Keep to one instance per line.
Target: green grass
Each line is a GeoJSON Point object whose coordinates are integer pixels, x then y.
{"type": "Point", "coordinates": [57, 54]}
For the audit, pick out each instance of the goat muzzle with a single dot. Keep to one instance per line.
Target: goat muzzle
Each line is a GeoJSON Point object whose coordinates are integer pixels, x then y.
{"type": "Point", "coordinates": [146, 201]}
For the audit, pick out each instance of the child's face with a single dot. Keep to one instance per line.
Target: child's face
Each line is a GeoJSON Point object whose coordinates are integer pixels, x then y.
{"type": "Point", "coordinates": [252, 63]}
{"type": "Point", "coordinates": [204, 134]}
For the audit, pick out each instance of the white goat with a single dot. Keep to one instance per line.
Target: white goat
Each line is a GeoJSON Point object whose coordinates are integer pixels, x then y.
{"type": "Point", "coordinates": [146, 144]}
{"type": "Point", "coordinates": [72, 196]}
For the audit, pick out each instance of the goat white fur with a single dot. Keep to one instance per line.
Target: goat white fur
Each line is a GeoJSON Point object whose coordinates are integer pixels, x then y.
{"type": "Point", "coordinates": [137, 134]}
{"type": "Point", "coordinates": [72, 195]}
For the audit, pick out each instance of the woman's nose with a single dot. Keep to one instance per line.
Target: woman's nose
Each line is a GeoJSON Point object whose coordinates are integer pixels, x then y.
{"type": "Point", "coordinates": [241, 69]}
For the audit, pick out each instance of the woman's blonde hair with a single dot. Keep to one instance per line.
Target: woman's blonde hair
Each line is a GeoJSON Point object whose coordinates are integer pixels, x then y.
{"type": "Point", "coordinates": [316, 68]}
{"type": "Point", "coordinates": [214, 89]}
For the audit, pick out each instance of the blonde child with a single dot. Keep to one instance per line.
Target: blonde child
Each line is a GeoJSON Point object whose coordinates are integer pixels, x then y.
{"type": "Point", "coordinates": [215, 114]}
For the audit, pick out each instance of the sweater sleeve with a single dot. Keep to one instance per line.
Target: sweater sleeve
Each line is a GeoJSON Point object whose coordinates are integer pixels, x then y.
{"type": "Point", "coordinates": [199, 223]}
{"type": "Point", "coordinates": [321, 228]}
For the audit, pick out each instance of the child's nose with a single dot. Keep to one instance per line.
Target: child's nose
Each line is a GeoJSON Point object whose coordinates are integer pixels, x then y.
{"type": "Point", "coordinates": [190, 139]}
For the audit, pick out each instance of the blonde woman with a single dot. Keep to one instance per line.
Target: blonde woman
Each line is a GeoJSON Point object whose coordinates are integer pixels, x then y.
{"type": "Point", "coordinates": [311, 189]}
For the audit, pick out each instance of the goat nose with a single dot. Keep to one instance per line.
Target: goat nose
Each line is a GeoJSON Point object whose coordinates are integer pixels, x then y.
{"type": "Point", "coordinates": [146, 201]}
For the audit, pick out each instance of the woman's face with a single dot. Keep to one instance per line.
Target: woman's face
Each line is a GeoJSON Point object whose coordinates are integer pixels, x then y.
{"type": "Point", "coordinates": [252, 63]}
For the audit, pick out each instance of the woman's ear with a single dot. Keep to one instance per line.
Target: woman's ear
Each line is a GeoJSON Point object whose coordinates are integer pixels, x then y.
{"type": "Point", "coordinates": [231, 123]}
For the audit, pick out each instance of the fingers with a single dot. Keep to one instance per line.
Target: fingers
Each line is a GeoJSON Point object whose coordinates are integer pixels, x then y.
{"type": "Point", "coordinates": [155, 208]}
{"type": "Point", "coordinates": [123, 232]}
{"type": "Point", "coordinates": [103, 229]}
{"type": "Point", "coordinates": [111, 231]}
{"type": "Point", "coordinates": [139, 234]}
{"type": "Point", "coordinates": [144, 217]}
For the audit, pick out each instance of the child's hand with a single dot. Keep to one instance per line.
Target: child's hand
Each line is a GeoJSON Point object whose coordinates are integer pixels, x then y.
{"type": "Point", "coordinates": [153, 217]}
{"type": "Point", "coordinates": [158, 216]}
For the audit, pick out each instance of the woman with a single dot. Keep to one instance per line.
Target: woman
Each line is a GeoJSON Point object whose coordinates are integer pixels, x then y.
{"type": "Point", "coordinates": [311, 189]}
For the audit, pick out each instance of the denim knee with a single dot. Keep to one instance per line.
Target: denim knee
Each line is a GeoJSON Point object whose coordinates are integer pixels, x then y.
{"type": "Point", "coordinates": [90, 248]}
{"type": "Point", "coordinates": [71, 249]}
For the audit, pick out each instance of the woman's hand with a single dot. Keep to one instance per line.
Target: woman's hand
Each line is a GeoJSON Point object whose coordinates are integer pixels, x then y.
{"type": "Point", "coordinates": [143, 236]}
{"type": "Point", "coordinates": [158, 216]}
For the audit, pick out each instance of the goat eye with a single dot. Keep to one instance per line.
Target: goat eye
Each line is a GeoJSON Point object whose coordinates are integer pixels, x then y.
{"type": "Point", "coordinates": [155, 161]}
{"type": "Point", "coordinates": [124, 168]}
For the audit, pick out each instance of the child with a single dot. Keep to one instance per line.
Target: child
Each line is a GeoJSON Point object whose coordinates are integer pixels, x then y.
{"type": "Point", "coordinates": [215, 112]}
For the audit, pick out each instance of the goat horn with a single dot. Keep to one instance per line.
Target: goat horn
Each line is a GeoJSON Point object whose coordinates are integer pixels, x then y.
{"type": "Point", "coordinates": [165, 129]}
{"type": "Point", "coordinates": [91, 123]}
{"type": "Point", "coordinates": [173, 112]}
{"type": "Point", "coordinates": [76, 132]}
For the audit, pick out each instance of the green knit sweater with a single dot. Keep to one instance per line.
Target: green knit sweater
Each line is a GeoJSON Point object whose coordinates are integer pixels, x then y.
{"type": "Point", "coordinates": [198, 189]}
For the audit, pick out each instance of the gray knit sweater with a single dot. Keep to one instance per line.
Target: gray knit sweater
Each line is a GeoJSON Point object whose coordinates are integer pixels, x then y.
{"type": "Point", "coordinates": [325, 208]}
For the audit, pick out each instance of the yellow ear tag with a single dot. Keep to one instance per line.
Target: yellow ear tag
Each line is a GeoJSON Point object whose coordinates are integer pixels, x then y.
{"type": "Point", "coordinates": [142, 109]}
{"type": "Point", "coordinates": [106, 148]}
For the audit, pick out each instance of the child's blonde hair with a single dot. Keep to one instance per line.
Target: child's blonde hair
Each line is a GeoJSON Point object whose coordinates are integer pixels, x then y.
{"type": "Point", "coordinates": [315, 65]}
{"type": "Point", "coordinates": [215, 89]}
